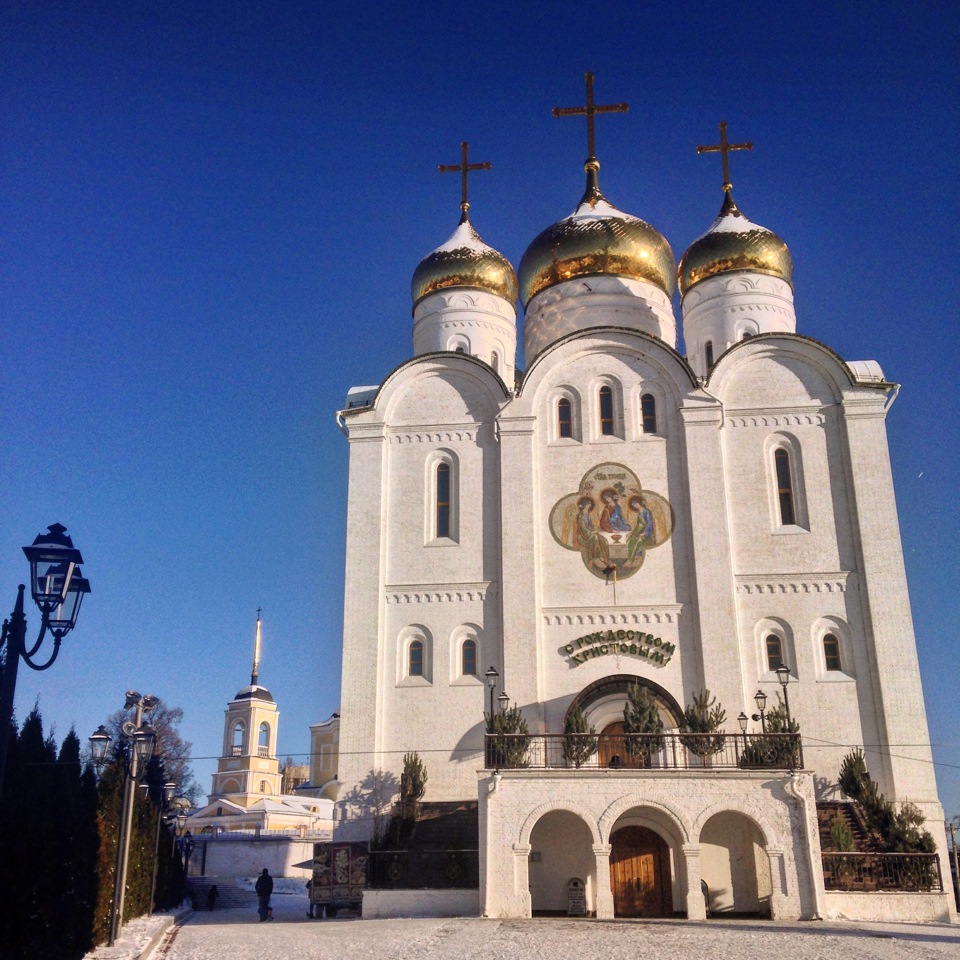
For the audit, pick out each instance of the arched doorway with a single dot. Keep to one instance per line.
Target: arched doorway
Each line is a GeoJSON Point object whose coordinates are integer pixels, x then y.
{"type": "Point", "coordinates": [639, 873]}
{"type": "Point", "coordinates": [561, 849]}
{"type": "Point", "coordinates": [735, 866]}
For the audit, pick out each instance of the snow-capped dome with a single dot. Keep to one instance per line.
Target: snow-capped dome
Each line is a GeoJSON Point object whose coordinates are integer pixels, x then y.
{"type": "Point", "coordinates": [254, 692]}
{"type": "Point", "coordinates": [734, 243]}
{"type": "Point", "coordinates": [464, 261]}
{"type": "Point", "coordinates": [596, 238]}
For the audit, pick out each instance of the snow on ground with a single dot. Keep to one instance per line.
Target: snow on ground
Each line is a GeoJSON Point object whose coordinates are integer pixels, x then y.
{"type": "Point", "coordinates": [236, 934]}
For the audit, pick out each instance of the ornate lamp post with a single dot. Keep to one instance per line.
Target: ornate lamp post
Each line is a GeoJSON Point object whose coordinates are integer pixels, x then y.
{"type": "Point", "coordinates": [503, 700]}
{"type": "Point", "coordinates": [57, 586]}
{"type": "Point", "coordinates": [141, 738]}
{"type": "Point", "coordinates": [169, 790]}
{"type": "Point", "coordinates": [492, 677]}
{"type": "Point", "coordinates": [783, 676]}
{"type": "Point", "coordinates": [760, 699]}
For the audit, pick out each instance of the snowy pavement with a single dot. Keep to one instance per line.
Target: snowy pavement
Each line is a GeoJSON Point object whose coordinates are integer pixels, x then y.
{"type": "Point", "coordinates": [236, 934]}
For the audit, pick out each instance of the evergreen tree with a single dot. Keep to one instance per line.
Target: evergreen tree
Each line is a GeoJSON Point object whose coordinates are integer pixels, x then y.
{"type": "Point", "coordinates": [579, 742]}
{"type": "Point", "coordinates": [704, 716]}
{"type": "Point", "coordinates": [641, 716]}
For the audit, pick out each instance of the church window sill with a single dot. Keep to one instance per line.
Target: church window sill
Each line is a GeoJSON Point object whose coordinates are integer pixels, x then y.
{"type": "Point", "coordinates": [414, 682]}
{"type": "Point", "coordinates": [788, 530]}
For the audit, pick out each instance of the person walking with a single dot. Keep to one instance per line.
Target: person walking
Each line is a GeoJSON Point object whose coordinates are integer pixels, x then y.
{"type": "Point", "coordinates": [264, 888]}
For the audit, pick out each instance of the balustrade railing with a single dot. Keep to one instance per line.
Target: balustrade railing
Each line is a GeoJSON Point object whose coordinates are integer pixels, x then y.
{"type": "Point", "coordinates": [645, 751]}
{"type": "Point", "coordinates": [869, 872]}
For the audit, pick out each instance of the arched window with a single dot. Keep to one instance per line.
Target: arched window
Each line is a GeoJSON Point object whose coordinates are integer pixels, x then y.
{"type": "Point", "coordinates": [708, 350]}
{"type": "Point", "coordinates": [564, 418]}
{"type": "Point", "coordinates": [263, 786]}
{"type": "Point", "coordinates": [443, 500]}
{"type": "Point", "coordinates": [468, 658]}
{"type": "Point", "coordinates": [774, 652]}
{"type": "Point", "coordinates": [606, 411]}
{"type": "Point", "coordinates": [648, 413]}
{"type": "Point", "coordinates": [781, 461]}
{"type": "Point", "coordinates": [236, 746]}
{"type": "Point", "coordinates": [831, 652]}
{"type": "Point", "coordinates": [415, 659]}
{"type": "Point", "coordinates": [495, 362]}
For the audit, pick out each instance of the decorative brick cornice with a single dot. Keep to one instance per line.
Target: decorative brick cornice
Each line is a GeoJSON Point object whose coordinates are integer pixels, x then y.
{"type": "Point", "coordinates": [568, 616]}
{"type": "Point", "coordinates": [792, 583]}
{"type": "Point", "coordinates": [437, 592]}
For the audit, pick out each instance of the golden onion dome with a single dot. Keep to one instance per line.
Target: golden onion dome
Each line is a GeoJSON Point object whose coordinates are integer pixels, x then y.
{"type": "Point", "coordinates": [464, 261]}
{"type": "Point", "coordinates": [734, 243]}
{"type": "Point", "coordinates": [596, 238]}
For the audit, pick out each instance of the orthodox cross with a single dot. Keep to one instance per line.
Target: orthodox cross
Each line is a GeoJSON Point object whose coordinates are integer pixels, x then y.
{"type": "Point", "coordinates": [589, 111]}
{"type": "Point", "coordinates": [464, 167]}
{"type": "Point", "coordinates": [724, 147]}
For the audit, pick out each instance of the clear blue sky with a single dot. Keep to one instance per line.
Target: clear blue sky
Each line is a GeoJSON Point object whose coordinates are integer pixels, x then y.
{"type": "Point", "coordinates": [211, 213]}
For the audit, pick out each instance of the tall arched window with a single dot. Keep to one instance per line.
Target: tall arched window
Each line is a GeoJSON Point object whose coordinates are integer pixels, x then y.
{"type": "Point", "coordinates": [495, 362]}
{"type": "Point", "coordinates": [263, 747]}
{"type": "Point", "coordinates": [564, 418]}
{"type": "Point", "coordinates": [648, 413]}
{"type": "Point", "coordinates": [468, 658]}
{"type": "Point", "coordinates": [708, 350]}
{"type": "Point", "coordinates": [415, 659]}
{"type": "Point", "coordinates": [606, 411]}
{"type": "Point", "coordinates": [781, 461]}
{"type": "Point", "coordinates": [831, 652]}
{"type": "Point", "coordinates": [443, 500]}
{"type": "Point", "coordinates": [236, 746]}
{"type": "Point", "coordinates": [774, 652]}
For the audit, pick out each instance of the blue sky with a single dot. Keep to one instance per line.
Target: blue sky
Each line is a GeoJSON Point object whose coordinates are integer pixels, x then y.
{"type": "Point", "coordinates": [211, 215]}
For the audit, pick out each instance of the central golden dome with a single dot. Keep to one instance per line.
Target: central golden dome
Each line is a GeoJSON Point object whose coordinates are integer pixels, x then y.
{"type": "Point", "coordinates": [596, 238]}
{"type": "Point", "coordinates": [734, 243]}
{"type": "Point", "coordinates": [464, 261]}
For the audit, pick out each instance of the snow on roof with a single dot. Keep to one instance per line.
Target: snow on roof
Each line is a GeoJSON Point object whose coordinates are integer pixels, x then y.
{"type": "Point", "coordinates": [361, 396]}
{"type": "Point", "coordinates": [867, 370]}
{"type": "Point", "coordinates": [464, 237]}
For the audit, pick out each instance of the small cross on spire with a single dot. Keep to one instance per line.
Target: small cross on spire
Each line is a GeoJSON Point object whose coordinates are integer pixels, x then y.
{"type": "Point", "coordinates": [589, 111]}
{"type": "Point", "coordinates": [464, 167]}
{"type": "Point", "coordinates": [724, 147]}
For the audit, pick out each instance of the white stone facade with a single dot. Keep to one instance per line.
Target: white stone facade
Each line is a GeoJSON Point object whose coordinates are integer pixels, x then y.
{"type": "Point", "coordinates": [462, 555]}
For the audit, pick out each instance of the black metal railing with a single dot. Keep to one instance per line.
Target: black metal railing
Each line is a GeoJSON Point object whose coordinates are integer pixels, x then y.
{"type": "Point", "coordinates": [644, 751]}
{"type": "Point", "coordinates": [869, 872]}
{"type": "Point", "coordinates": [423, 868]}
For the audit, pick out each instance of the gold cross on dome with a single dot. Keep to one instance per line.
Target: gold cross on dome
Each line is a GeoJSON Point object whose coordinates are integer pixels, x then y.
{"type": "Point", "coordinates": [724, 147]}
{"type": "Point", "coordinates": [464, 167]}
{"type": "Point", "coordinates": [589, 110]}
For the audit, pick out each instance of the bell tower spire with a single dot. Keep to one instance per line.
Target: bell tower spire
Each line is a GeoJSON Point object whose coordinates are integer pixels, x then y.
{"type": "Point", "coordinates": [255, 673]}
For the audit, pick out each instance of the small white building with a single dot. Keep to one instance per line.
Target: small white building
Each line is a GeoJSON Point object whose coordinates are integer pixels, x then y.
{"type": "Point", "coordinates": [618, 514]}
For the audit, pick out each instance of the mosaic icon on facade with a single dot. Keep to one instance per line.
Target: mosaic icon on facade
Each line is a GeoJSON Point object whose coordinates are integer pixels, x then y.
{"type": "Point", "coordinates": [612, 521]}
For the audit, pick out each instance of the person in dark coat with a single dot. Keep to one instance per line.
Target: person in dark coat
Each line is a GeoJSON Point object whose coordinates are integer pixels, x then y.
{"type": "Point", "coordinates": [212, 897]}
{"type": "Point", "coordinates": [264, 887]}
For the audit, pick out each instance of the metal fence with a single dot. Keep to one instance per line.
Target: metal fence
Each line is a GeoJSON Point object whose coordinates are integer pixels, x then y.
{"type": "Point", "coordinates": [421, 869]}
{"type": "Point", "coordinates": [869, 872]}
{"type": "Point", "coordinates": [644, 751]}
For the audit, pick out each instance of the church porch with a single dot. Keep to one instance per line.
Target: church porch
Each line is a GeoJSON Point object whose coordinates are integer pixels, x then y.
{"type": "Point", "coordinates": [648, 842]}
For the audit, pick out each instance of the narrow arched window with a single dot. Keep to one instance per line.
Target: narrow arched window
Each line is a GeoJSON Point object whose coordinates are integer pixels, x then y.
{"type": "Point", "coordinates": [564, 418]}
{"type": "Point", "coordinates": [774, 652]}
{"type": "Point", "coordinates": [648, 413]}
{"type": "Point", "coordinates": [781, 461]}
{"type": "Point", "coordinates": [236, 747]}
{"type": "Point", "coordinates": [443, 500]}
{"type": "Point", "coordinates": [263, 786]}
{"type": "Point", "coordinates": [263, 747]}
{"type": "Point", "coordinates": [495, 362]}
{"type": "Point", "coordinates": [708, 350]}
{"type": "Point", "coordinates": [831, 652]}
{"type": "Point", "coordinates": [415, 659]}
{"type": "Point", "coordinates": [468, 658]}
{"type": "Point", "coordinates": [606, 411]}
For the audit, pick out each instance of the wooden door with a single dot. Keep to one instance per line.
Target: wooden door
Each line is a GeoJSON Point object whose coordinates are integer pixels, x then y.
{"type": "Point", "coordinates": [639, 873]}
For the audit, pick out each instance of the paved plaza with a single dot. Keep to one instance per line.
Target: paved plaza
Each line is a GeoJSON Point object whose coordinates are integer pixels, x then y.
{"type": "Point", "coordinates": [235, 934]}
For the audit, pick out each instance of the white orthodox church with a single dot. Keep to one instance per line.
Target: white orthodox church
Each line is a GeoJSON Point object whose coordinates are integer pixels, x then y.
{"type": "Point", "coordinates": [626, 513]}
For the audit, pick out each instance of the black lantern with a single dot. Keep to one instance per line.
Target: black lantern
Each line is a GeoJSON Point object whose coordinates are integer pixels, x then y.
{"type": "Point", "coordinates": [503, 700]}
{"type": "Point", "coordinates": [100, 741]}
{"type": "Point", "coordinates": [742, 720]}
{"type": "Point", "coordinates": [56, 583]}
{"type": "Point", "coordinates": [143, 742]}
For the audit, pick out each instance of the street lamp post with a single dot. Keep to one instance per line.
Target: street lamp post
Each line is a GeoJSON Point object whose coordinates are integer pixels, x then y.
{"type": "Point", "coordinates": [57, 586]}
{"type": "Point", "coordinates": [169, 789]}
{"type": "Point", "coordinates": [141, 737]}
{"type": "Point", "coordinates": [783, 676]}
{"type": "Point", "coordinates": [760, 699]}
{"type": "Point", "coordinates": [492, 677]}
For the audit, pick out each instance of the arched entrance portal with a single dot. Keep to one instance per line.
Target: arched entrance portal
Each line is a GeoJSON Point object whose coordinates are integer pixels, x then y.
{"type": "Point", "coordinates": [735, 866]}
{"type": "Point", "coordinates": [639, 873]}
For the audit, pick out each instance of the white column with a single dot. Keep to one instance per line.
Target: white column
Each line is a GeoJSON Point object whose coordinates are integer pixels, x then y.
{"type": "Point", "coordinates": [776, 883]}
{"type": "Point", "coordinates": [604, 903]}
{"type": "Point", "coordinates": [696, 909]}
{"type": "Point", "coordinates": [521, 873]}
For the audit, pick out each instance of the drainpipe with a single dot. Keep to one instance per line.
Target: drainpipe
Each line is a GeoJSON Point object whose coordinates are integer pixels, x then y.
{"type": "Point", "coordinates": [792, 786]}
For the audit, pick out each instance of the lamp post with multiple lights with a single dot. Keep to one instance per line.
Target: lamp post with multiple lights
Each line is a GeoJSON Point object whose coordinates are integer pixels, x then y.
{"type": "Point", "coordinates": [141, 739]}
{"type": "Point", "coordinates": [57, 586]}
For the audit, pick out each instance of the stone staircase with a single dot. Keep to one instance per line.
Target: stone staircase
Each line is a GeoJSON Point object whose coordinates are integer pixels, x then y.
{"type": "Point", "coordinates": [228, 893]}
{"type": "Point", "coordinates": [829, 810]}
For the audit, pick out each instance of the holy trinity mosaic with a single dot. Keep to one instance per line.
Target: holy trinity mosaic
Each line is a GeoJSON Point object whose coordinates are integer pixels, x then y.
{"type": "Point", "coordinates": [612, 521]}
